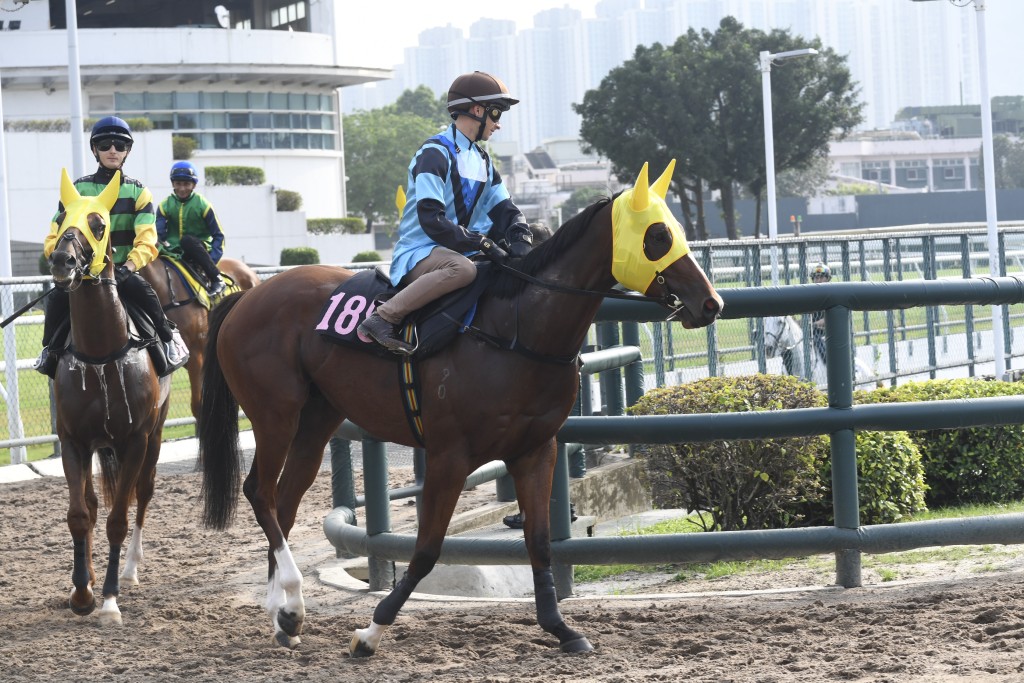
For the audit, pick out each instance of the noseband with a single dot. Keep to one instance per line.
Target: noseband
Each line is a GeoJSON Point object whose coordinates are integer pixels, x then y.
{"type": "Point", "coordinates": [82, 260]}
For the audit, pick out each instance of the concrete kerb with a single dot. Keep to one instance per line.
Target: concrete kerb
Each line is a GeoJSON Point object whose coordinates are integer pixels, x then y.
{"type": "Point", "coordinates": [178, 450]}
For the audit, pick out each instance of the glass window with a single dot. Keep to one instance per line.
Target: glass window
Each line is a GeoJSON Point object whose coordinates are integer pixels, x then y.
{"type": "Point", "coordinates": [296, 100]}
{"type": "Point", "coordinates": [220, 140]}
{"type": "Point", "coordinates": [187, 120]}
{"type": "Point", "coordinates": [236, 100]}
{"type": "Point", "coordinates": [282, 121]}
{"type": "Point", "coordinates": [213, 120]}
{"type": "Point", "coordinates": [300, 141]}
{"type": "Point", "coordinates": [238, 120]}
{"type": "Point", "coordinates": [282, 141]}
{"type": "Point", "coordinates": [160, 100]}
{"type": "Point", "coordinates": [186, 100]}
{"type": "Point", "coordinates": [98, 103]}
{"type": "Point", "coordinates": [299, 121]}
{"type": "Point", "coordinates": [129, 101]}
{"type": "Point", "coordinates": [206, 141]}
{"type": "Point", "coordinates": [278, 100]}
{"type": "Point", "coordinates": [240, 140]}
{"type": "Point", "coordinates": [212, 100]}
{"type": "Point", "coordinates": [161, 121]}
{"type": "Point", "coordinates": [312, 102]}
{"type": "Point", "coordinates": [259, 100]}
{"type": "Point", "coordinates": [263, 120]}
{"type": "Point", "coordinates": [301, 10]}
{"type": "Point", "coordinates": [325, 103]}
{"type": "Point", "coordinates": [263, 141]}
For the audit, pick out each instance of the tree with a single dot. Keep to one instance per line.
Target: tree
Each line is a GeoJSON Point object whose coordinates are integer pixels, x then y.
{"type": "Point", "coordinates": [1009, 162]}
{"type": "Point", "coordinates": [423, 103]}
{"type": "Point", "coordinates": [700, 101]}
{"type": "Point", "coordinates": [378, 146]}
{"type": "Point", "coordinates": [579, 200]}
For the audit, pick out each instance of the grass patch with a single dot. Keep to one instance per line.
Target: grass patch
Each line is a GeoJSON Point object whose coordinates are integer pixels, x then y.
{"type": "Point", "coordinates": [888, 566]}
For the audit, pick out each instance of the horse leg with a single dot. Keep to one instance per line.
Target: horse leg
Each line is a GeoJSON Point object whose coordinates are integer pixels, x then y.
{"type": "Point", "coordinates": [117, 525]}
{"type": "Point", "coordinates": [195, 377]}
{"type": "Point", "coordinates": [284, 603]}
{"type": "Point", "coordinates": [143, 494]}
{"type": "Point", "coordinates": [82, 510]}
{"type": "Point", "coordinates": [532, 474]}
{"type": "Point", "coordinates": [442, 487]}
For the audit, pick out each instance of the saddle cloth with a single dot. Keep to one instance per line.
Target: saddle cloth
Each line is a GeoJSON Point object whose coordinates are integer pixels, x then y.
{"type": "Point", "coordinates": [193, 282]}
{"type": "Point", "coordinates": [429, 329]}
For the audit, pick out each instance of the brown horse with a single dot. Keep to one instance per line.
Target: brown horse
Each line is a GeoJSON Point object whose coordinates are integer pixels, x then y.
{"type": "Point", "coordinates": [109, 400]}
{"type": "Point", "coordinates": [484, 397]}
{"type": "Point", "coordinates": [185, 310]}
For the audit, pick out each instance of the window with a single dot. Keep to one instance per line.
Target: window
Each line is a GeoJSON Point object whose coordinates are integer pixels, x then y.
{"type": "Point", "coordinates": [914, 174]}
{"type": "Point", "coordinates": [950, 173]}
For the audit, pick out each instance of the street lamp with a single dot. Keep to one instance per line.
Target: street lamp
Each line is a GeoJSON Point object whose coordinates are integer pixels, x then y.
{"type": "Point", "coordinates": [998, 343]}
{"type": "Point", "coordinates": [769, 144]}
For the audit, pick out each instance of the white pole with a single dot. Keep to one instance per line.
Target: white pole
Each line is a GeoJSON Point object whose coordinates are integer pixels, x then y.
{"type": "Point", "coordinates": [75, 91]}
{"type": "Point", "coordinates": [994, 264]}
{"type": "Point", "coordinates": [15, 428]}
{"type": "Point", "coordinates": [769, 161]}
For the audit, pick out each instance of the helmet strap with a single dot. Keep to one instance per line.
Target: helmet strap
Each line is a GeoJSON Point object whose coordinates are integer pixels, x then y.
{"type": "Point", "coordinates": [482, 120]}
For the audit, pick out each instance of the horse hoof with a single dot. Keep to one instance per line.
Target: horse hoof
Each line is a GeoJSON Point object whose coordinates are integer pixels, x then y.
{"type": "Point", "coordinates": [108, 619]}
{"type": "Point", "coordinates": [577, 645]}
{"type": "Point", "coordinates": [285, 640]}
{"type": "Point", "coordinates": [84, 605]}
{"type": "Point", "coordinates": [358, 648]}
{"type": "Point", "coordinates": [289, 623]}
{"type": "Point", "coordinates": [126, 580]}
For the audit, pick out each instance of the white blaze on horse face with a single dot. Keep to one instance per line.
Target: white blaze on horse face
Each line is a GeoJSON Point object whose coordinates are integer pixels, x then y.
{"type": "Point", "coordinates": [77, 210]}
{"type": "Point", "coordinates": [633, 212]}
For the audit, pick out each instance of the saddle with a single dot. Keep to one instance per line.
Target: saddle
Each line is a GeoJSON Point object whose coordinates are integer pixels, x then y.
{"type": "Point", "coordinates": [196, 283]}
{"type": "Point", "coordinates": [430, 329]}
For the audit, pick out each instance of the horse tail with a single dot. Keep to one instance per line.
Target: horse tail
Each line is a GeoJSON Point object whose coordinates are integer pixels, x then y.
{"type": "Point", "coordinates": [219, 453]}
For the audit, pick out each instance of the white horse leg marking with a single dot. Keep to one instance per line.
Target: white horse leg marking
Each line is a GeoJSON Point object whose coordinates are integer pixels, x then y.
{"type": "Point", "coordinates": [109, 614]}
{"type": "Point", "coordinates": [284, 597]}
{"type": "Point", "coordinates": [133, 558]}
{"type": "Point", "coordinates": [366, 640]}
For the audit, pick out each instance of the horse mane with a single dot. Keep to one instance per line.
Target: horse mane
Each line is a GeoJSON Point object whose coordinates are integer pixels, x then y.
{"type": "Point", "coordinates": [506, 285]}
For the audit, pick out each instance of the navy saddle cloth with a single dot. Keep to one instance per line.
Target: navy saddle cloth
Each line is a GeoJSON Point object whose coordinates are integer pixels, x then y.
{"type": "Point", "coordinates": [431, 328]}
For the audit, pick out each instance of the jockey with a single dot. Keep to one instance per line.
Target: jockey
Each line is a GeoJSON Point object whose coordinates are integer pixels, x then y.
{"type": "Point", "coordinates": [134, 246]}
{"type": "Point", "coordinates": [187, 227]}
{"type": "Point", "coordinates": [455, 198]}
{"type": "Point", "coordinates": [820, 273]}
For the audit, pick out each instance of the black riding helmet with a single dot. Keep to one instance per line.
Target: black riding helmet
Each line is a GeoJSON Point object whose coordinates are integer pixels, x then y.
{"type": "Point", "coordinates": [478, 88]}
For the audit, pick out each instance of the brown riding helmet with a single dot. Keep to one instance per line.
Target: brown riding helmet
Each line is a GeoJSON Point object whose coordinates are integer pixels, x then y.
{"type": "Point", "coordinates": [478, 88]}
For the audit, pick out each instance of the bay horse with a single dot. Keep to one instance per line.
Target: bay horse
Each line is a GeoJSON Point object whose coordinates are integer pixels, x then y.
{"type": "Point", "coordinates": [185, 310]}
{"type": "Point", "coordinates": [109, 400]}
{"type": "Point", "coordinates": [484, 397]}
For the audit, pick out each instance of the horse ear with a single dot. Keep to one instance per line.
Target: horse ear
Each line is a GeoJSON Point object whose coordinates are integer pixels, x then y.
{"type": "Point", "coordinates": [640, 198]}
{"type": "Point", "coordinates": [109, 195]}
{"type": "Point", "coordinates": [400, 200]}
{"type": "Point", "coordinates": [661, 184]}
{"type": "Point", "coordinates": [68, 191]}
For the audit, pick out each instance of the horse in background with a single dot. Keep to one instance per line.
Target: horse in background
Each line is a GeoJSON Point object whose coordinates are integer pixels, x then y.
{"type": "Point", "coordinates": [500, 391]}
{"type": "Point", "coordinates": [784, 338]}
{"type": "Point", "coordinates": [185, 309]}
{"type": "Point", "coordinates": [109, 400]}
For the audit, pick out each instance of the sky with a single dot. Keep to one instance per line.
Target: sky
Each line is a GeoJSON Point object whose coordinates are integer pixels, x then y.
{"type": "Point", "coordinates": [375, 32]}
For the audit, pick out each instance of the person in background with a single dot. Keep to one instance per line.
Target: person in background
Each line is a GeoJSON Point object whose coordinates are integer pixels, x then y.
{"type": "Point", "coordinates": [457, 206]}
{"type": "Point", "coordinates": [819, 273]}
{"type": "Point", "coordinates": [133, 238]}
{"type": "Point", "coordinates": [187, 227]}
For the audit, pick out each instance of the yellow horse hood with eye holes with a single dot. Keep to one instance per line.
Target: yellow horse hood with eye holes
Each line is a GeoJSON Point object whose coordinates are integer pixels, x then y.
{"type": "Point", "coordinates": [633, 212]}
{"type": "Point", "coordinates": [77, 210]}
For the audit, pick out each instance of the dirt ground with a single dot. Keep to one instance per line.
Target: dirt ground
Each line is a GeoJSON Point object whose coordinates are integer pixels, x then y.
{"type": "Point", "coordinates": [197, 615]}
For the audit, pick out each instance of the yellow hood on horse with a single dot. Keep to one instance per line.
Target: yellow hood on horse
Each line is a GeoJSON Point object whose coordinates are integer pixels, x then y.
{"type": "Point", "coordinates": [91, 215]}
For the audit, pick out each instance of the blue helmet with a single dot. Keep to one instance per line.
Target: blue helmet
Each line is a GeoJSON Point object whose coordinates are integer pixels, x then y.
{"type": "Point", "coordinates": [111, 128]}
{"type": "Point", "coordinates": [184, 170]}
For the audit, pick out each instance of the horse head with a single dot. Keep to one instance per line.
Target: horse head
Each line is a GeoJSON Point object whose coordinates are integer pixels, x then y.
{"type": "Point", "coordinates": [650, 253]}
{"type": "Point", "coordinates": [781, 333]}
{"type": "Point", "coordinates": [83, 235]}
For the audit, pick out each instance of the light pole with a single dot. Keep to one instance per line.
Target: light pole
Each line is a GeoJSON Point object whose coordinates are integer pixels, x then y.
{"type": "Point", "coordinates": [769, 145]}
{"type": "Point", "coordinates": [998, 343]}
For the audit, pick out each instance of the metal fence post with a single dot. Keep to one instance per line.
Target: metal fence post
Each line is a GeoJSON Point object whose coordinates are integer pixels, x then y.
{"type": "Point", "coordinates": [378, 510]}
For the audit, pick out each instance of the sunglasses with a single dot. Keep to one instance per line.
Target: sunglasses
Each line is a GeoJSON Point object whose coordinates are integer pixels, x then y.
{"type": "Point", "coordinates": [107, 144]}
{"type": "Point", "coordinates": [494, 114]}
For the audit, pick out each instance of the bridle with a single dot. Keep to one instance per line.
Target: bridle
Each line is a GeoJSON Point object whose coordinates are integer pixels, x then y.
{"type": "Point", "coordinates": [82, 259]}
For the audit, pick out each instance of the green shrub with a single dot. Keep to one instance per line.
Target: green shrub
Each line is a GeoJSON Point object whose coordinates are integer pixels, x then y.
{"type": "Point", "coordinates": [288, 200]}
{"type": "Point", "coordinates": [890, 481]}
{"type": "Point", "coordinates": [352, 225]}
{"type": "Point", "coordinates": [366, 257]}
{"type": "Point", "coordinates": [182, 147]}
{"type": "Point", "coordinates": [970, 464]}
{"type": "Point", "coordinates": [234, 175]}
{"type": "Point", "coordinates": [741, 484]}
{"type": "Point", "coordinates": [299, 256]}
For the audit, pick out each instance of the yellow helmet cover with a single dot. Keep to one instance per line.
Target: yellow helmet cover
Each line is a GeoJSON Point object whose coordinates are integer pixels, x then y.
{"type": "Point", "coordinates": [77, 210]}
{"type": "Point", "coordinates": [633, 212]}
